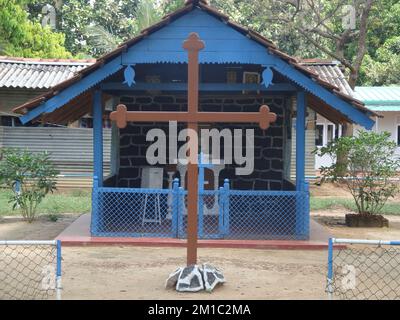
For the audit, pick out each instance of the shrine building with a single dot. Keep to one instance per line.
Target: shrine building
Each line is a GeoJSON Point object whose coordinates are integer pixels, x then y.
{"type": "Point", "coordinates": [239, 71]}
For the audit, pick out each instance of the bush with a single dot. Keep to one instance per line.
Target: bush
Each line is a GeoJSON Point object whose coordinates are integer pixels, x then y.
{"type": "Point", "coordinates": [33, 174]}
{"type": "Point", "coordinates": [368, 169]}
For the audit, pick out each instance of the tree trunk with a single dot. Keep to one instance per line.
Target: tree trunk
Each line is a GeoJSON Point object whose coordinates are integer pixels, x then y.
{"type": "Point", "coordinates": [347, 131]}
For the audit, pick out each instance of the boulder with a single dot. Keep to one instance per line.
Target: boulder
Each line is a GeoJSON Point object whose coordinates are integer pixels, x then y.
{"type": "Point", "coordinates": [195, 278]}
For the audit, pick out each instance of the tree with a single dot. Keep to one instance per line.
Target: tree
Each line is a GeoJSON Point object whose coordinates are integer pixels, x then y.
{"type": "Point", "coordinates": [381, 65]}
{"type": "Point", "coordinates": [310, 23]}
{"type": "Point", "coordinates": [368, 170]}
{"type": "Point", "coordinates": [85, 23]}
{"type": "Point", "coordinates": [25, 38]}
{"type": "Point", "coordinates": [103, 40]}
{"type": "Point", "coordinates": [33, 174]}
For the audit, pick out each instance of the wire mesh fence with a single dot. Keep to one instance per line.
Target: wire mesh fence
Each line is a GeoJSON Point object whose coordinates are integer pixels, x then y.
{"type": "Point", "coordinates": [132, 212]}
{"type": "Point", "coordinates": [364, 270]}
{"type": "Point", "coordinates": [30, 270]}
{"type": "Point", "coordinates": [267, 215]}
{"type": "Point", "coordinates": [223, 213]}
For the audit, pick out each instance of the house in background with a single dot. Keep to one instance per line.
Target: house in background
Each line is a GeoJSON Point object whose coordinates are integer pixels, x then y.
{"type": "Point", "coordinates": [384, 101]}
{"type": "Point", "coordinates": [319, 130]}
{"type": "Point", "coordinates": [70, 145]}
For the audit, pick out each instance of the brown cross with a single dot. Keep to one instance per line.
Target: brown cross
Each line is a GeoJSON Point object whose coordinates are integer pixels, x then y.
{"type": "Point", "coordinates": [193, 117]}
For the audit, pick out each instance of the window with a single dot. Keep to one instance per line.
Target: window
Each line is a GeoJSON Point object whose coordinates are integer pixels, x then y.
{"type": "Point", "coordinates": [319, 135]}
{"type": "Point", "coordinates": [330, 133]}
{"type": "Point", "coordinates": [398, 135]}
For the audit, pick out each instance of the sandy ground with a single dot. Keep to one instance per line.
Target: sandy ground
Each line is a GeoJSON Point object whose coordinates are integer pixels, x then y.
{"type": "Point", "coordinates": [334, 222]}
{"type": "Point", "coordinates": [140, 273]}
{"type": "Point", "coordinates": [15, 228]}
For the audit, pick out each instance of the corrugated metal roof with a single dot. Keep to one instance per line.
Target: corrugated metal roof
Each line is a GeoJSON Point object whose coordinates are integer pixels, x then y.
{"type": "Point", "coordinates": [189, 6]}
{"type": "Point", "coordinates": [330, 72]}
{"type": "Point", "coordinates": [379, 98]}
{"type": "Point", "coordinates": [37, 73]}
{"type": "Point", "coordinates": [378, 94]}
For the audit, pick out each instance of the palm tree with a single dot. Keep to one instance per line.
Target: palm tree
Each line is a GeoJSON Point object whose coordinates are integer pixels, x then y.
{"type": "Point", "coordinates": [146, 14]}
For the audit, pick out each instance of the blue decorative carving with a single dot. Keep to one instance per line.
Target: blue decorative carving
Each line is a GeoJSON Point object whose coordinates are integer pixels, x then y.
{"type": "Point", "coordinates": [129, 75]}
{"type": "Point", "coordinates": [267, 76]}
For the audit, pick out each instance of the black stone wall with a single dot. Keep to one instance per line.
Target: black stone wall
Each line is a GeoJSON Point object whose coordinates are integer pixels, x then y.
{"type": "Point", "coordinates": [269, 145]}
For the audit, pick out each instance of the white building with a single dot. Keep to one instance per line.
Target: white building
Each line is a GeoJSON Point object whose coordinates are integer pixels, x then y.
{"type": "Point", "coordinates": [384, 101]}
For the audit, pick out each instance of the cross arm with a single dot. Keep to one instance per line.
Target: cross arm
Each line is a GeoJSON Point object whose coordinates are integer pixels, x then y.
{"type": "Point", "coordinates": [264, 117]}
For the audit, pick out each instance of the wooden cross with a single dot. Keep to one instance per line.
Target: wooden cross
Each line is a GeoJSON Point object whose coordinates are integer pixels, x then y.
{"type": "Point", "coordinates": [193, 117]}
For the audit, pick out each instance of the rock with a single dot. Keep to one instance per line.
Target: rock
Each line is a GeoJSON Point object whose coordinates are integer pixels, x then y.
{"type": "Point", "coordinates": [173, 279]}
{"type": "Point", "coordinates": [212, 277]}
{"type": "Point", "coordinates": [195, 278]}
{"type": "Point", "coordinates": [190, 279]}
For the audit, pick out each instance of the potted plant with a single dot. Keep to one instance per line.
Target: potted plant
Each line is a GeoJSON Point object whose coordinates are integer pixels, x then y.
{"type": "Point", "coordinates": [367, 172]}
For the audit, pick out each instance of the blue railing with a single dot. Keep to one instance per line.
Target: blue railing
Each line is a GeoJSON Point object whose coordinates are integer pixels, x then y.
{"type": "Point", "coordinates": [223, 213]}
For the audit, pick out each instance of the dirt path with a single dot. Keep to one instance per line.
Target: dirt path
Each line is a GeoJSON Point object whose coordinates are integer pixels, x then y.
{"type": "Point", "coordinates": [334, 221]}
{"type": "Point", "coordinates": [140, 273]}
{"type": "Point", "coordinates": [15, 228]}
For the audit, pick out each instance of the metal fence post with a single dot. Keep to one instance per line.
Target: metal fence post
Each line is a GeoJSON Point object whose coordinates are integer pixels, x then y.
{"type": "Point", "coordinates": [221, 203]}
{"type": "Point", "coordinates": [301, 210]}
{"type": "Point", "coordinates": [175, 206]}
{"type": "Point", "coordinates": [329, 287]}
{"type": "Point", "coordinates": [180, 210]}
{"type": "Point", "coordinates": [307, 209]}
{"type": "Point", "coordinates": [226, 206]}
{"type": "Point", "coordinates": [95, 204]}
{"type": "Point", "coordinates": [58, 275]}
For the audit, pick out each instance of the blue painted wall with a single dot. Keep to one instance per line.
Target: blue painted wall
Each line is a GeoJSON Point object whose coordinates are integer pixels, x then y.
{"type": "Point", "coordinates": [223, 44]}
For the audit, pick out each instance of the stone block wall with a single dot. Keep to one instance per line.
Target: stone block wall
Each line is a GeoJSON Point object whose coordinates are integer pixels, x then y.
{"type": "Point", "coordinates": [269, 144]}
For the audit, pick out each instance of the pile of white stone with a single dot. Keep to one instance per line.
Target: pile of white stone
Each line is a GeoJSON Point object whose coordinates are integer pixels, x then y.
{"type": "Point", "coordinates": [195, 278]}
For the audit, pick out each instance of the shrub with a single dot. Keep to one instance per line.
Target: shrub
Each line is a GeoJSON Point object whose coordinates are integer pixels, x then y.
{"type": "Point", "coordinates": [368, 169]}
{"type": "Point", "coordinates": [33, 174]}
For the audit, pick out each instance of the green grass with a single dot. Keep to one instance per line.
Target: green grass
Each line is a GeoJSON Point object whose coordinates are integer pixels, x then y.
{"type": "Point", "coordinates": [58, 203]}
{"type": "Point", "coordinates": [320, 203]}
{"type": "Point", "coordinates": [79, 201]}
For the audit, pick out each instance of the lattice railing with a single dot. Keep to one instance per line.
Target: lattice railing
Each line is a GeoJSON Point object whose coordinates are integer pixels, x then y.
{"type": "Point", "coordinates": [223, 213]}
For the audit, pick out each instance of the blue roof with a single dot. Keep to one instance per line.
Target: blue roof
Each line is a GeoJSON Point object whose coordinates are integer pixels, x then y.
{"type": "Point", "coordinates": [225, 43]}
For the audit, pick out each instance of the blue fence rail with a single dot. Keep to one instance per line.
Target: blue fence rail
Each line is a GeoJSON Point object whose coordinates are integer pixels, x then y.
{"type": "Point", "coordinates": [223, 213]}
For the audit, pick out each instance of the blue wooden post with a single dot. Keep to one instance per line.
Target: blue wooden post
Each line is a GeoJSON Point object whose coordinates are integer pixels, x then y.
{"type": "Point", "coordinates": [175, 207]}
{"type": "Point", "coordinates": [226, 206]}
{"type": "Point", "coordinates": [300, 139]}
{"type": "Point", "coordinates": [98, 137]}
{"type": "Point", "coordinates": [300, 164]}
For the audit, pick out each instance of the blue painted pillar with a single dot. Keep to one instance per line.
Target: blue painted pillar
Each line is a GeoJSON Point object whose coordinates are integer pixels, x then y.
{"type": "Point", "coordinates": [300, 140]}
{"type": "Point", "coordinates": [302, 199]}
{"type": "Point", "coordinates": [98, 137]}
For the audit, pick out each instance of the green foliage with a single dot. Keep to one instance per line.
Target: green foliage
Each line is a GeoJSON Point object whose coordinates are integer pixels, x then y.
{"type": "Point", "coordinates": [35, 175]}
{"type": "Point", "coordinates": [25, 38]}
{"type": "Point", "coordinates": [385, 69]}
{"type": "Point", "coordinates": [368, 169]}
{"type": "Point", "coordinates": [86, 24]}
